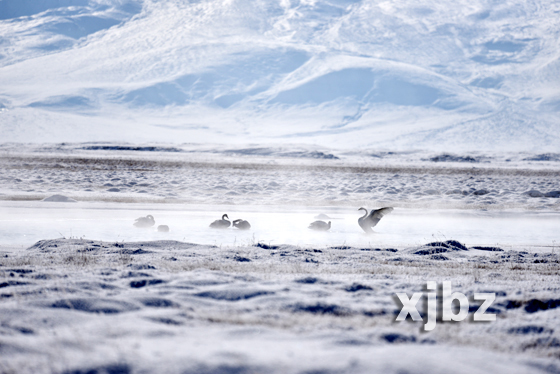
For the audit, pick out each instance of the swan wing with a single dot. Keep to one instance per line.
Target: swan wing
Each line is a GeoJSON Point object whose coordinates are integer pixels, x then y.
{"type": "Point", "coordinates": [375, 216]}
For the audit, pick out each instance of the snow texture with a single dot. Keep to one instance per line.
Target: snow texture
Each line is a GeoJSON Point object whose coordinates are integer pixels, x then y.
{"type": "Point", "coordinates": [477, 75]}
{"type": "Point", "coordinates": [76, 306]}
{"type": "Point", "coordinates": [295, 175]}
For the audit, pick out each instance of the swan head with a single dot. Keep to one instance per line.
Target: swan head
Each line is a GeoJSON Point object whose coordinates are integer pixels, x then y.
{"type": "Point", "coordinates": [225, 215]}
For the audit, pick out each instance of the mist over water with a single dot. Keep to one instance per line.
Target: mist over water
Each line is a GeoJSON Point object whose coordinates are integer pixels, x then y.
{"type": "Point", "coordinates": [24, 223]}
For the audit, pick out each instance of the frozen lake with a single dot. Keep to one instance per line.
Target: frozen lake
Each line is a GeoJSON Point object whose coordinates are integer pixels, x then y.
{"type": "Point", "coordinates": [23, 223]}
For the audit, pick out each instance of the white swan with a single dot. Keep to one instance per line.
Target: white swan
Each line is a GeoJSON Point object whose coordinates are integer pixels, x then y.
{"type": "Point", "coordinates": [241, 224]}
{"type": "Point", "coordinates": [367, 221]}
{"type": "Point", "coordinates": [221, 223]}
{"type": "Point", "coordinates": [320, 225]}
{"type": "Point", "coordinates": [147, 221]}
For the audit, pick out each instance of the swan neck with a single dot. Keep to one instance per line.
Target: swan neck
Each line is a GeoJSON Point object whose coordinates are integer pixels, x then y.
{"type": "Point", "coordinates": [366, 212]}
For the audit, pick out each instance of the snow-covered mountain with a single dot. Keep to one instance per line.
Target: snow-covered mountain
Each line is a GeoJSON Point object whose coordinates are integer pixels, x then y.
{"type": "Point", "coordinates": [474, 74]}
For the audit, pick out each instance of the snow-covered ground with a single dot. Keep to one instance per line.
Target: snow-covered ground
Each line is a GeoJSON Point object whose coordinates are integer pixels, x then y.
{"type": "Point", "coordinates": [77, 306]}
{"type": "Point", "coordinates": [83, 290]}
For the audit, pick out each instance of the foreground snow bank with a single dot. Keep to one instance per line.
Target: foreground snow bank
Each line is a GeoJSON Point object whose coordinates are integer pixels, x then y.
{"type": "Point", "coordinates": [74, 306]}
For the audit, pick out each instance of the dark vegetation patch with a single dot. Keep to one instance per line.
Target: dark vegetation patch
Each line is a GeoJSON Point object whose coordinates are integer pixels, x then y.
{"type": "Point", "coordinates": [379, 249]}
{"type": "Point", "coordinates": [166, 321]}
{"type": "Point", "coordinates": [320, 309]}
{"type": "Point", "coordinates": [480, 192]}
{"type": "Point", "coordinates": [156, 302]}
{"type": "Point", "coordinates": [544, 342]}
{"type": "Point", "coordinates": [12, 283]}
{"type": "Point", "coordinates": [342, 247]}
{"type": "Point", "coordinates": [439, 257]}
{"type": "Point", "coordinates": [544, 157]}
{"type": "Point", "coordinates": [20, 271]}
{"type": "Point", "coordinates": [401, 259]}
{"type": "Point", "coordinates": [431, 251]}
{"type": "Point", "coordinates": [262, 151]}
{"type": "Point", "coordinates": [145, 282]}
{"type": "Point", "coordinates": [135, 274]}
{"type": "Point", "coordinates": [50, 244]}
{"type": "Point", "coordinates": [312, 154]}
{"type": "Point", "coordinates": [308, 280]}
{"type": "Point", "coordinates": [21, 329]}
{"type": "Point", "coordinates": [530, 329]}
{"type": "Point", "coordinates": [540, 261]}
{"type": "Point", "coordinates": [266, 246]}
{"type": "Point", "coordinates": [130, 148]}
{"type": "Point", "coordinates": [450, 158]}
{"type": "Point", "coordinates": [233, 295]}
{"type": "Point", "coordinates": [106, 306]}
{"type": "Point", "coordinates": [535, 305]}
{"type": "Point", "coordinates": [95, 286]}
{"type": "Point", "coordinates": [241, 259]}
{"type": "Point", "coordinates": [205, 282]}
{"type": "Point", "coordinates": [45, 276]}
{"type": "Point", "coordinates": [357, 287]}
{"type": "Point", "coordinates": [108, 369]}
{"type": "Point", "coordinates": [353, 342]}
{"type": "Point", "coordinates": [490, 249]}
{"type": "Point", "coordinates": [395, 338]}
{"type": "Point", "coordinates": [441, 247]}
{"type": "Point", "coordinates": [428, 341]}
{"type": "Point", "coordinates": [141, 267]}
{"type": "Point", "coordinates": [512, 304]}
{"type": "Point", "coordinates": [451, 244]}
{"type": "Point", "coordinates": [374, 313]}
{"type": "Point", "coordinates": [138, 251]}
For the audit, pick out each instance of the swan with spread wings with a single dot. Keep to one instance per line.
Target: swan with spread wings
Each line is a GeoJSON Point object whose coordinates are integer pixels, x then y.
{"type": "Point", "coordinates": [367, 221]}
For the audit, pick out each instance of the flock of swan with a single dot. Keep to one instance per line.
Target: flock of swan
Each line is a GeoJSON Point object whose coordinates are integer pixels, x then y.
{"type": "Point", "coordinates": [366, 222]}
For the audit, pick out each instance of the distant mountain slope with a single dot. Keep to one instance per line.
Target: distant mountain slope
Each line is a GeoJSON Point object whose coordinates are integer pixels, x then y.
{"type": "Point", "coordinates": [418, 74]}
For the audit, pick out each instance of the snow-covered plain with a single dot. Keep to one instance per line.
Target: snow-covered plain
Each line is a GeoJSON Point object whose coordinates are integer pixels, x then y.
{"type": "Point", "coordinates": [277, 112]}
{"type": "Point", "coordinates": [82, 290]}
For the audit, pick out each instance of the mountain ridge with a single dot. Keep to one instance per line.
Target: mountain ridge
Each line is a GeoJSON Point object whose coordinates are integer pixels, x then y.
{"type": "Point", "coordinates": [344, 73]}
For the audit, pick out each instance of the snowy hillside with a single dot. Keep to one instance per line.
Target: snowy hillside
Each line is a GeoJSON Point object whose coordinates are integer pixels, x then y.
{"type": "Point", "coordinates": [414, 74]}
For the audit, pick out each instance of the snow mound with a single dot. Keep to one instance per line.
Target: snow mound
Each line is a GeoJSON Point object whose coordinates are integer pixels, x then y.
{"type": "Point", "coordinates": [59, 199]}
